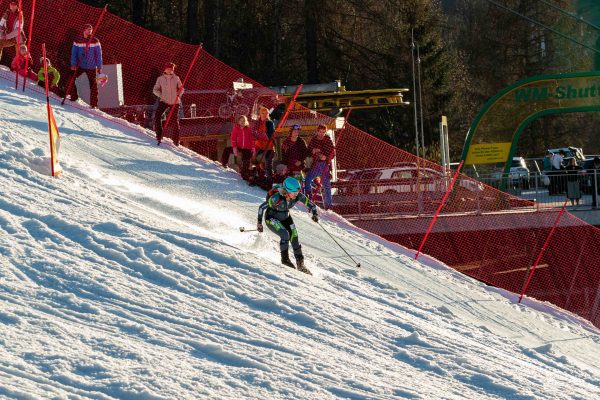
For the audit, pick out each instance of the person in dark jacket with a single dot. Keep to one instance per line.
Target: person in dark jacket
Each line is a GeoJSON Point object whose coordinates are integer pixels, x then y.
{"type": "Point", "coordinates": [276, 211]}
{"type": "Point", "coordinates": [86, 60]}
{"type": "Point", "coordinates": [294, 151]}
{"type": "Point", "coordinates": [595, 181]}
{"type": "Point", "coordinates": [573, 181]}
{"type": "Point", "coordinates": [321, 148]}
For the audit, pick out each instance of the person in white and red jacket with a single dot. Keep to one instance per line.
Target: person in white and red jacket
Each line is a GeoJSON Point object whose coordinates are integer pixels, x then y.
{"type": "Point", "coordinates": [9, 27]}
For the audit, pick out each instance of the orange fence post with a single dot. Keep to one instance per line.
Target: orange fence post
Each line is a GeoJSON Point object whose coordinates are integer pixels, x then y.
{"type": "Point", "coordinates": [437, 212]}
{"type": "Point", "coordinates": [562, 210]}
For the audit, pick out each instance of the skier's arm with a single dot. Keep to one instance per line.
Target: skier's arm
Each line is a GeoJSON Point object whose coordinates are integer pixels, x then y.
{"type": "Point", "coordinates": [261, 211]}
{"type": "Point", "coordinates": [311, 206]}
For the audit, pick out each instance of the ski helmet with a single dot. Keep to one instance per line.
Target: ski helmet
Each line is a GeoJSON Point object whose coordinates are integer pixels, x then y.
{"type": "Point", "coordinates": [291, 185]}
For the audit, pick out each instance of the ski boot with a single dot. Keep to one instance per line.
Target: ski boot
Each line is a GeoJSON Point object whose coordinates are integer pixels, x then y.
{"type": "Point", "coordinates": [301, 267]}
{"type": "Point", "coordinates": [285, 259]}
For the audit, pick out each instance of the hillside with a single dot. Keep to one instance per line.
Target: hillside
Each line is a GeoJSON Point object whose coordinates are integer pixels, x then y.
{"type": "Point", "coordinates": [127, 278]}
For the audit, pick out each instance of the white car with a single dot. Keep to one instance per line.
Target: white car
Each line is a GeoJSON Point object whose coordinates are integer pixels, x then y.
{"type": "Point", "coordinates": [402, 179]}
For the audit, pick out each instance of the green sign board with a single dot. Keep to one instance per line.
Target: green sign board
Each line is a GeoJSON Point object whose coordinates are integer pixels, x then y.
{"type": "Point", "coordinates": [495, 131]}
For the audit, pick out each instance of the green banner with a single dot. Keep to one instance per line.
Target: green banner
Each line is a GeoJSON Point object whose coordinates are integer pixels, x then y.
{"type": "Point", "coordinates": [495, 131]}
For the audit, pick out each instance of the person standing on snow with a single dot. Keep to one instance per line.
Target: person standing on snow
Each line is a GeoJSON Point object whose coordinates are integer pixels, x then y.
{"type": "Point", "coordinates": [279, 201]}
{"type": "Point", "coordinates": [321, 148]}
{"type": "Point", "coordinates": [167, 88]}
{"type": "Point", "coordinates": [86, 60]}
{"type": "Point", "coordinates": [9, 27]}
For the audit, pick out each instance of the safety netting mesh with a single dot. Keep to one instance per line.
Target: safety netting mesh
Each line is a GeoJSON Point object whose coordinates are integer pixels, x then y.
{"type": "Point", "coordinates": [487, 234]}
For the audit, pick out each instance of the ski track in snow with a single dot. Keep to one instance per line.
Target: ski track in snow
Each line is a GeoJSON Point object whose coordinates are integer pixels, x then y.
{"type": "Point", "coordinates": [127, 278]}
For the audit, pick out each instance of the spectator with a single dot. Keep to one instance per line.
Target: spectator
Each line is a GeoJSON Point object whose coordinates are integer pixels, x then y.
{"type": "Point", "coordinates": [167, 89]}
{"type": "Point", "coordinates": [9, 27]}
{"type": "Point", "coordinates": [547, 162]}
{"type": "Point", "coordinates": [281, 172]}
{"type": "Point", "coordinates": [556, 174]}
{"type": "Point", "coordinates": [573, 190]}
{"type": "Point", "coordinates": [86, 60]}
{"type": "Point", "coordinates": [321, 148]}
{"type": "Point", "coordinates": [21, 63]}
{"type": "Point", "coordinates": [595, 181]}
{"type": "Point", "coordinates": [264, 129]}
{"type": "Point", "coordinates": [242, 144]}
{"type": "Point", "coordinates": [294, 151]}
{"type": "Point", "coordinates": [53, 74]}
{"type": "Point", "coordinates": [557, 160]}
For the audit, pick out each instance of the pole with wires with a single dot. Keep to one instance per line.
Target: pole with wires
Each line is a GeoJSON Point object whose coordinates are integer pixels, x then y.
{"type": "Point", "coordinates": [412, 55]}
{"type": "Point", "coordinates": [420, 100]}
{"type": "Point", "coordinates": [336, 242]}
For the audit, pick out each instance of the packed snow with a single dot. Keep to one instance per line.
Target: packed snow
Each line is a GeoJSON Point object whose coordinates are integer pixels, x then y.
{"type": "Point", "coordinates": [127, 277]}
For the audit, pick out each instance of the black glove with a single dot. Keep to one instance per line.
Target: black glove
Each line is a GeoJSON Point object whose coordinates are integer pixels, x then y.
{"type": "Point", "coordinates": [315, 218]}
{"type": "Point", "coordinates": [259, 227]}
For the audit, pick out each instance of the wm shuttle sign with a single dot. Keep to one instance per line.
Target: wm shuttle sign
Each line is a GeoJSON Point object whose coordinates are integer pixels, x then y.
{"type": "Point", "coordinates": [495, 131]}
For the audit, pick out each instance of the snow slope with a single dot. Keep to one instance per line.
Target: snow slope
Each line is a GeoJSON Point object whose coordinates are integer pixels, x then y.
{"type": "Point", "coordinates": [127, 278]}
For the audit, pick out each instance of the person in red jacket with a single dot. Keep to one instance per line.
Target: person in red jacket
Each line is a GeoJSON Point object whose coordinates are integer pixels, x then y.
{"type": "Point", "coordinates": [242, 144]}
{"type": "Point", "coordinates": [9, 27]}
{"type": "Point", "coordinates": [19, 64]}
{"type": "Point", "coordinates": [264, 131]}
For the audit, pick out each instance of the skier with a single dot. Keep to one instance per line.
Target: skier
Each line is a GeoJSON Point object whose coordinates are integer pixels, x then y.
{"type": "Point", "coordinates": [279, 201]}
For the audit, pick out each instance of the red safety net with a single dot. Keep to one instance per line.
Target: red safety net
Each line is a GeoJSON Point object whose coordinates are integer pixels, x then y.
{"type": "Point", "coordinates": [485, 233]}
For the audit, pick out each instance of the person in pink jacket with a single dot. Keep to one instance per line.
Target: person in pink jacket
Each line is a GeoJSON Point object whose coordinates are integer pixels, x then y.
{"type": "Point", "coordinates": [242, 144]}
{"type": "Point", "coordinates": [19, 64]}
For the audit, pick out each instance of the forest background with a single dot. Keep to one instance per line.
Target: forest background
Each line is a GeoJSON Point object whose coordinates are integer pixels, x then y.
{"type": "Point", "coordinates": [469, 50]}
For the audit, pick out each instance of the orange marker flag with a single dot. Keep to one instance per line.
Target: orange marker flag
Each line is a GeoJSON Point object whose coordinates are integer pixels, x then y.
{"type": "Point", "coordinates": [52, 128]}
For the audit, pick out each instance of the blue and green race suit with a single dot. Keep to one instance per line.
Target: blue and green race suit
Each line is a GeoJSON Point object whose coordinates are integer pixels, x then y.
{"type": "Point", "coordinates": [278, 219]}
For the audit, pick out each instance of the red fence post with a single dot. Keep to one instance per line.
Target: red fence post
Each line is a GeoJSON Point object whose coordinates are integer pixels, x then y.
{"type": "Point", "coordinates": [562, 210]}
{"type": "Point", "coordinates": [19, 27]}
{"type": "Point", "coordinates": [437, 212]}
{"type": "Point", "coordinates": [29, 42]}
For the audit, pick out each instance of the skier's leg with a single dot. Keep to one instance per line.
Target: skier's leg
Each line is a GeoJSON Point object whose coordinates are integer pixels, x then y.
{"type": "Point", "coordinates": [277, 227]}
{"type": "Point", "coordinates": [291, 229]}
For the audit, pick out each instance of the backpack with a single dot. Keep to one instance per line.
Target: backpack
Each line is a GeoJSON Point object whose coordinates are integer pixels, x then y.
{"type": "Point", "coordinates": [272, 191]}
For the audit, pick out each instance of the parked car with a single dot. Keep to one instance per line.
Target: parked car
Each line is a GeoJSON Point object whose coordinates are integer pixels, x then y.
{"type": "Point", "coordinates": [569, 152]}
{"type": "Point", "coordinates": [518, 176]}
{"type": "Point", "coordinates": [401, 179]}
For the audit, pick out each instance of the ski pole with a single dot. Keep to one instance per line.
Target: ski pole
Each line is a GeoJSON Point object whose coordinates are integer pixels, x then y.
{"type": "Point", "coordinates": [242, 229]}
{"type": "Point", "coordinates": [336, 242]}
